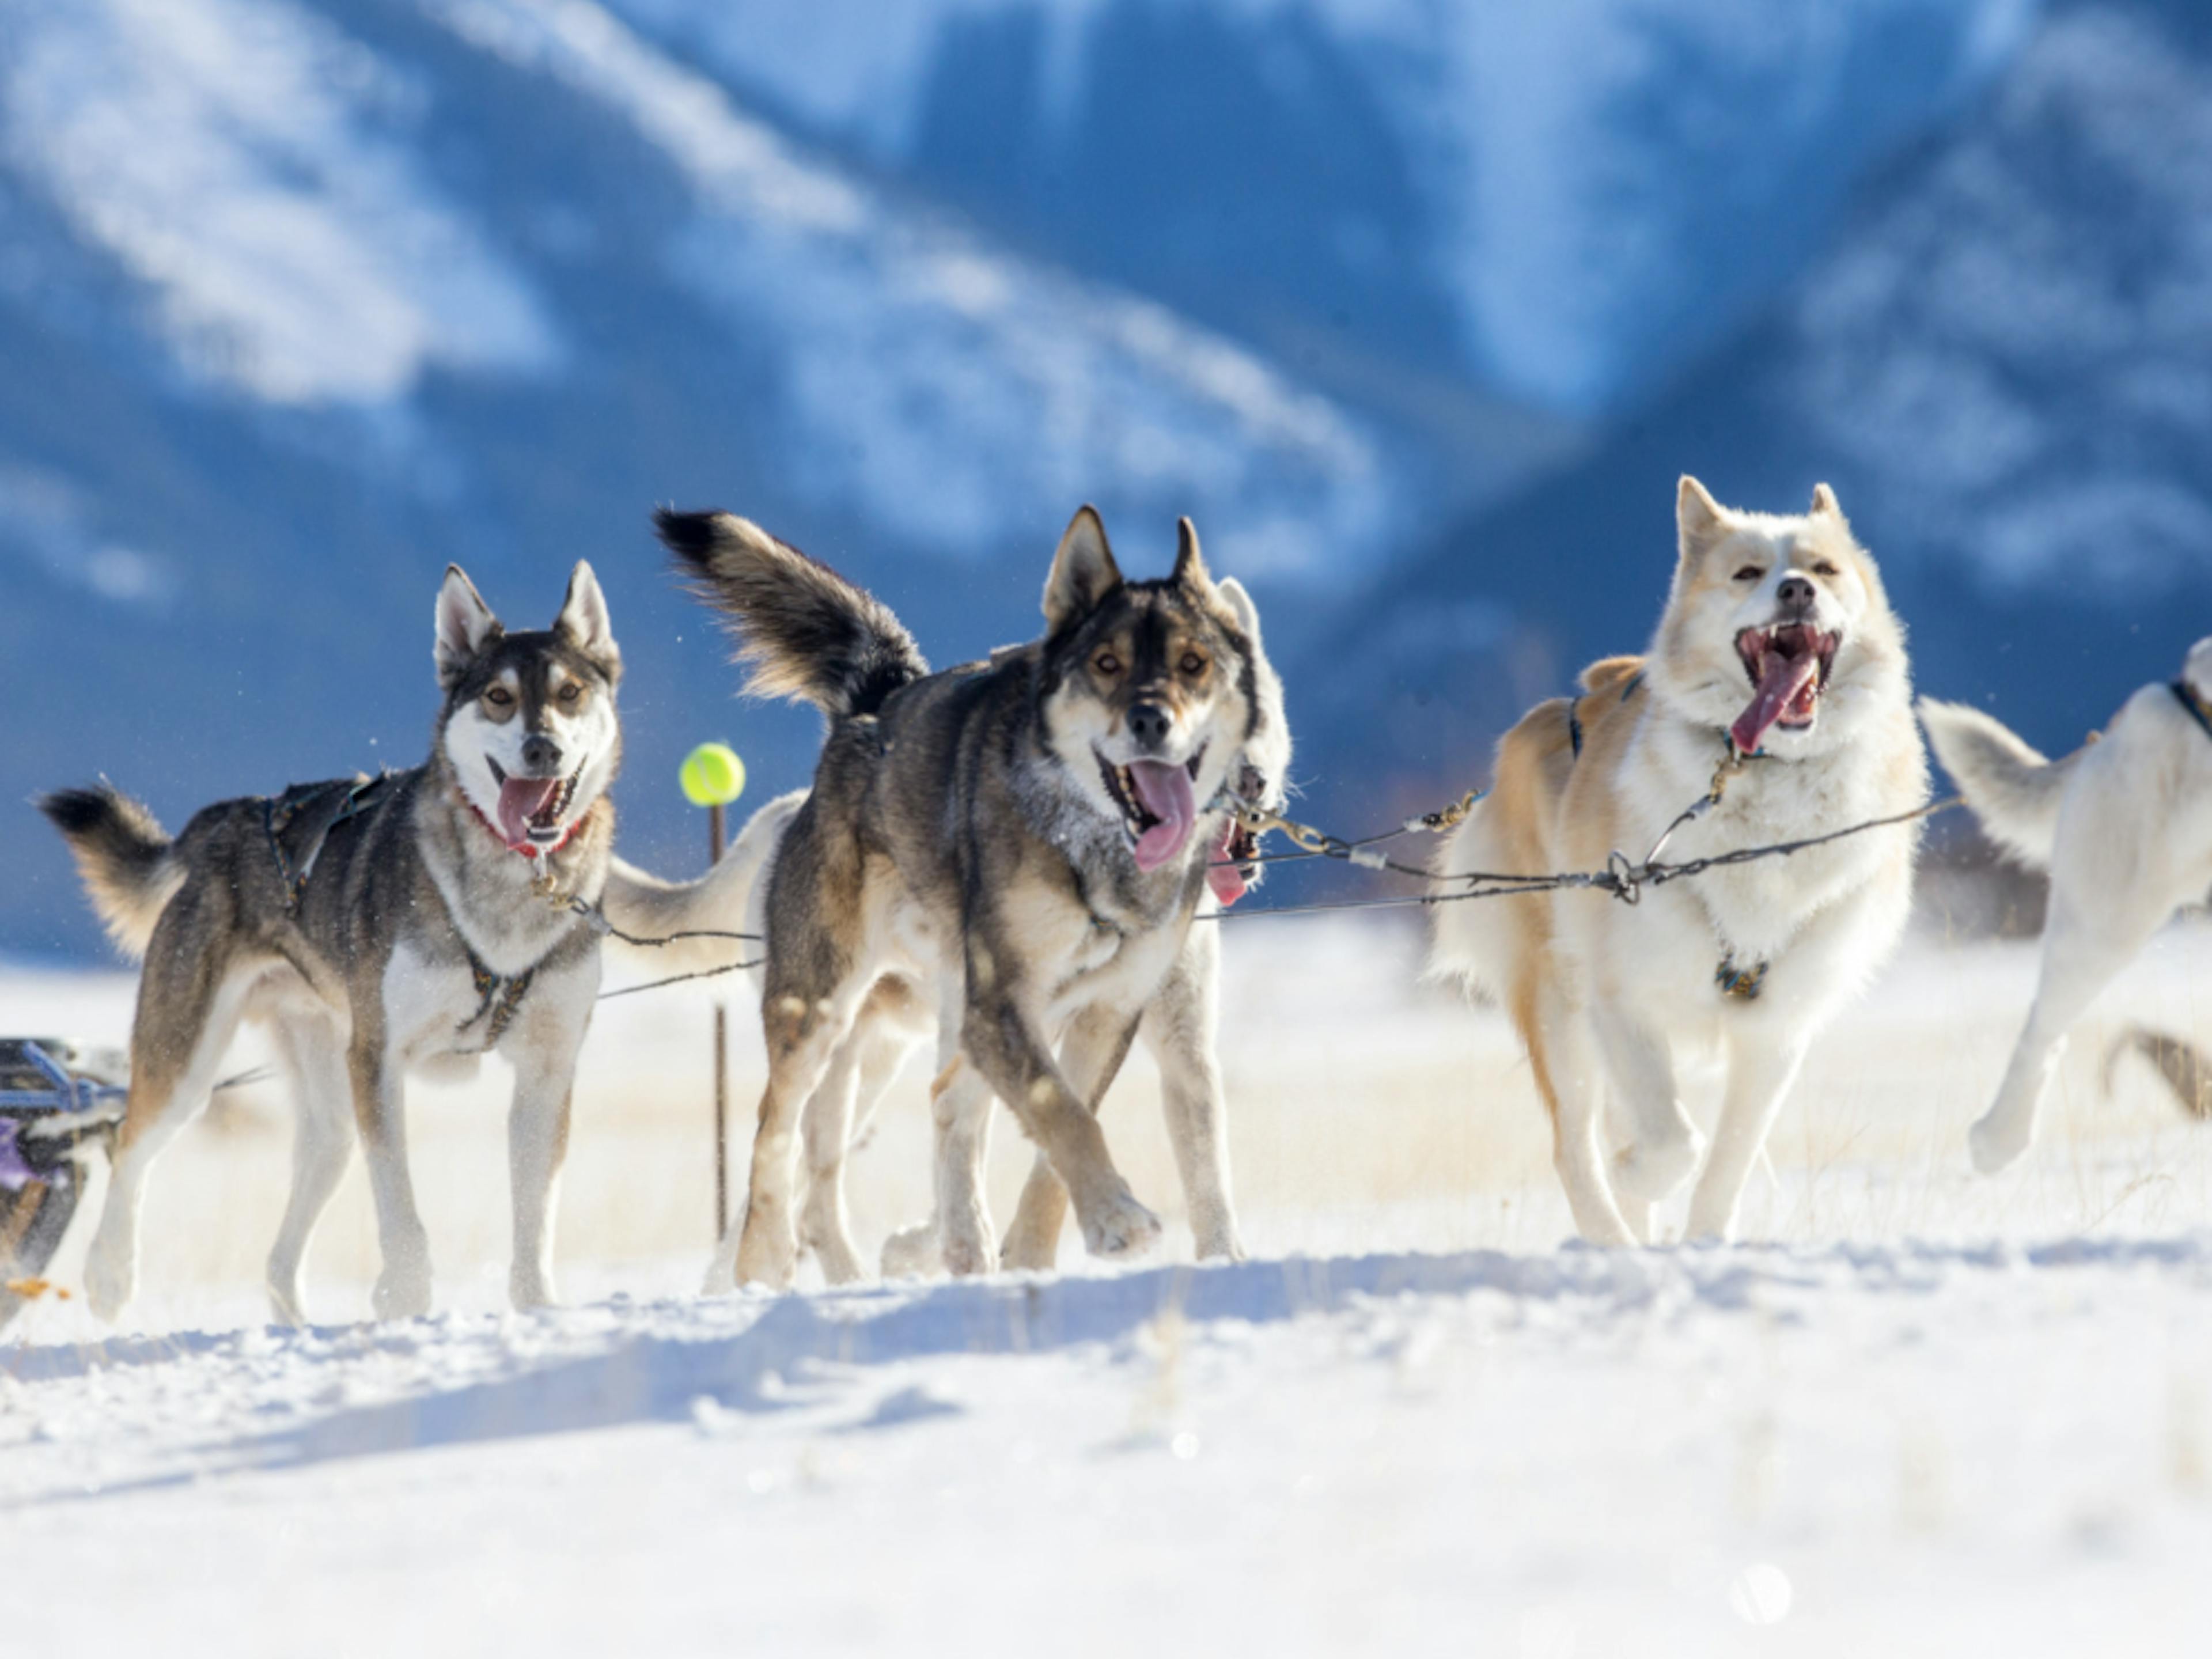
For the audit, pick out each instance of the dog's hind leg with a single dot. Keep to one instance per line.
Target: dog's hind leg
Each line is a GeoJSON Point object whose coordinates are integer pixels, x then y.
{"type": "Point", "coordinates": [1762, 1063]}
{"type": "Point", "coordinates": [1564, 1057]}
{"type": "Point", "coordinates": [189, 1000]}
{"type": "Point", "coordinates": [2083, 949]}
{"type": "Point", "coordinates": [1091, 1054]}
{"type": "Point", "coordinates": [803, 1034]}
{"type": "Point", "coordinates": [379, 1109]}
{"type": "Point", "coordinates": [960, 1112]}
{"type": "Point", "coordinates": [865, 1063]}
{"type": "Point", "coordinates": [322, 1147]}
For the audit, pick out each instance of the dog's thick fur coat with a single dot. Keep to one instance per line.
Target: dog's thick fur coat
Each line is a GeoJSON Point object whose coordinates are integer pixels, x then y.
{"type": "Point", "coordinates": [2124, 825]}
{"type": "Point", "coordinates": [1027, 836]}
{"type": "Point", "coordinates": [1609, 998]}
{"type": "Point", "coordinates": [1178, 1028]}
{"type": "Point", "coordinates": [418, 938]}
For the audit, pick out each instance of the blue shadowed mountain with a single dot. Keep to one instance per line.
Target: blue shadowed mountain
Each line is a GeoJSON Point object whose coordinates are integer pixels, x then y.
{"type": "Point", "coordinates": [2002, 362]}
{"type": "Point", "coordinates": [1408, 305]}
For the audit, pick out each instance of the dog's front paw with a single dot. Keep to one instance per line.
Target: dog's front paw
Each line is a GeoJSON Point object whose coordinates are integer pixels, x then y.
{"type": "Point", "coordinates": [527, 1289]}
{"type": "Point", "coordinates": [1218, 1243]}
{"type": "Point", "coordinates": [767, 1254]}
{"type": "Point", "coordinates": [110, 1278]}
{"type": "Point", "coordinates": [401, 1293]}
{"type": "Point", "coordinates": [913, 1252]}
{"type": "Point", "coordinates": [1119, 1226]}
{"type": "Point", "coordinates": [1995, 1141]}
{"type": "Point", "coordinates": [1652, 1170]}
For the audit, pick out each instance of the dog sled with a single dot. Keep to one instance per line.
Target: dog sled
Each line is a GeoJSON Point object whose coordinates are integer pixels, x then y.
{"type": "Point", "coordinates": [60, 1102]}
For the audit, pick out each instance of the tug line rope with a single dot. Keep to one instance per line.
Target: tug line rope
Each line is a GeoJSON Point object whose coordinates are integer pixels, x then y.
{"type": "Point", "coordinates": [1622, 878]}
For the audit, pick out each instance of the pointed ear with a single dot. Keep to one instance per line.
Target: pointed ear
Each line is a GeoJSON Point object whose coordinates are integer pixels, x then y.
{"type": "Point", "coordinates": [465, 625]}
{"type": "Point", "coordinates": [1699, 519]}
{"type": "Point", "coordinates": [1190, 564]}
{"type": "Point", "coordinates": [584, 616]}
{"type": "Point", "coordinates": [1082, 571]}
{"type": "Point", "coordinates": [1240, 607]}
{"type": "Point", "coordinates": [1825, 504]}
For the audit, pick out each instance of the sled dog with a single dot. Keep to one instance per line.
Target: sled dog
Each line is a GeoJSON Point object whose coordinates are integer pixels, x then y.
{"type": "Point", "coordinates": [2124, 825]}
{"type": "Point", "coordinates": [412, 922]}
{"type": "Point", "coordinates": [1024, 839]}
{"type": "Point", "coordinates": [1778, 644]}
{"type": "Point", "coordinates": [1177, 1026]}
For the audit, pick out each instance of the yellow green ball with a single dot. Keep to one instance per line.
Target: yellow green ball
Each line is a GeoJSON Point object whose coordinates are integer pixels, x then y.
{"type": "Point", "coordinates": [712, 775]}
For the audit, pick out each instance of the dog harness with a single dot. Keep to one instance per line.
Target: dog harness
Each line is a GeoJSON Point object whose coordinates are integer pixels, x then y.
{"type": "Point", "coordinates": [1744, 984]}
{"type": "Point", "coordinates": [299, 821]}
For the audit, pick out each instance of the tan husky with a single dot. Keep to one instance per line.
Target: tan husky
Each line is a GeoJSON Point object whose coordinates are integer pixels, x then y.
{"type": "Point", "coordinates": [1778, 643]}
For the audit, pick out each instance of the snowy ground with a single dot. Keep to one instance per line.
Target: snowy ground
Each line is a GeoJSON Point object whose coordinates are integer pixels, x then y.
{"type": "Point", "coordinates": [1938, 1415]}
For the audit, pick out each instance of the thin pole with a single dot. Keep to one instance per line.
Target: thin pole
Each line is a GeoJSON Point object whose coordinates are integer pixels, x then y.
{"type": "Point", "coordinates": [721, 1061]}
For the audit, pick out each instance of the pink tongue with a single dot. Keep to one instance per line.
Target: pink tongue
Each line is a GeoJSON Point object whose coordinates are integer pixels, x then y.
{"type": "Point", "coordinates": [1226, 880]}
{"type": "Point", "coordinates": [519, 798]}
{"type": "Point", "coordinates": [1779, 684]}
{"type": "Point", "coordinates": [1164, 792]}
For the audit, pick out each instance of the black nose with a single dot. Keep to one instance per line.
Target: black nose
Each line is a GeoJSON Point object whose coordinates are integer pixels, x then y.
{"type": "Point", "coordinates": [1796, 594]}
{"type": "Point", "coordinates": [541, 754]}
{"type": "Point", "coordinates": [1148, 724]}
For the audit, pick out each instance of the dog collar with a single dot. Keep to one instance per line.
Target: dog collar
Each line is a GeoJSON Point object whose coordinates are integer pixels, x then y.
{"type": "Point", "coordinates": [527, 849]}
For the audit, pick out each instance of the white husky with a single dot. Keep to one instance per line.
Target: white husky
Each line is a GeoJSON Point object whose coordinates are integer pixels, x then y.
{"type": "Point", "coordinates": [2124, 826]}
{"type": "Point", "coordinates": [1777, 641]}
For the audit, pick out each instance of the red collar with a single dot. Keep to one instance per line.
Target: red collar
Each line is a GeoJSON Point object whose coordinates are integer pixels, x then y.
{"type": "Point", "coordinates": [528, 849]}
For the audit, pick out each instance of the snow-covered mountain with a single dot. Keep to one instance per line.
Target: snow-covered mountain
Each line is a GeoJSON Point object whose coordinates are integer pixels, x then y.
{"type": "Point", "coordinates": [2002, 360]}
{"type": "Point", "coordinates": [300, 299]}
{"type": "Point", "coordinates": [1532, 192]}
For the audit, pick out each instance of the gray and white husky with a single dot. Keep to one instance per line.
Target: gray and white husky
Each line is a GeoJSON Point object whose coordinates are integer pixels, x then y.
{"type": "Point", "coordinates": [413, 922]}
{"type": "Point", "coordinates": [1178, 1028]}
{"type": "Point", "coordinates": [1018, 845]}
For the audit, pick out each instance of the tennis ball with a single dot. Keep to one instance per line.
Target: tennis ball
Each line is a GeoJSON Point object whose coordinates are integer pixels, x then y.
{"type": "Point", "coordinates": [712, 775]}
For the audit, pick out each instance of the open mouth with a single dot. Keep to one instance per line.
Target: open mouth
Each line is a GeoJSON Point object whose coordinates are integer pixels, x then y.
{"type": "Point", "coordinates": [1789, 666]}
{"type": "Point", "coordinates": [1235, 865]}
{"type": "Point", "coordinates": [530, 809]}
{"type": "Point", "coordinates": [1157, 804]}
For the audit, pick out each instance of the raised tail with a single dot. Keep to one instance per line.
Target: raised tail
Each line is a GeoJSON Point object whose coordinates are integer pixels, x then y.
{"type": "Point", "coordinates": [127, 861]}
{"type": "Point", "coordinates": [730, 898]}
{"type": "Point", "coordinates": [2014, 791]}
{"type": "Point", "coordinates": [804, 630]}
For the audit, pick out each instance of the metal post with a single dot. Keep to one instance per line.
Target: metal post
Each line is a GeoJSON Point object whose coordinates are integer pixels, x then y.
{"type": "Point", "coordinates": [721, 1061]}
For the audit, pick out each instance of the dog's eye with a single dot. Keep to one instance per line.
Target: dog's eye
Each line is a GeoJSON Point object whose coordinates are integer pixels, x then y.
{"type": "Point", "coordinates": [570, 692]}
{"type": "Point", "coordinates": [1825, 569]}
{"type": "Point", "coordinates": [1750, 573]}
{"type": "Point", "coordinates": [1193, 663]}
{"type": "Point", "coordinates": [499, 696]}
{"type": "Point", "coordinates": [1107, 663]}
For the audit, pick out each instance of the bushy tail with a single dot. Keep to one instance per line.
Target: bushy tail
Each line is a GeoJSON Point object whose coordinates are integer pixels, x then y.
{"type": "Point", "coordinates": [2013, 790]}
{"type": "Point", "coordinates": [803, 629]}
{"type": "Point", "coordinates": [731, 898]}
{"type": "Point", "coordinates": [126, 859]}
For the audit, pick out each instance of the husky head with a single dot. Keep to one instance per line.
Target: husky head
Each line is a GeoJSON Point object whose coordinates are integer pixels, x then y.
{"type": "Point", "coordinates": [1776, 630]}
{"type": "Point", "coordinates": [1150, 690]}
{"type": "Point", "coordinates": [529, 730]}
